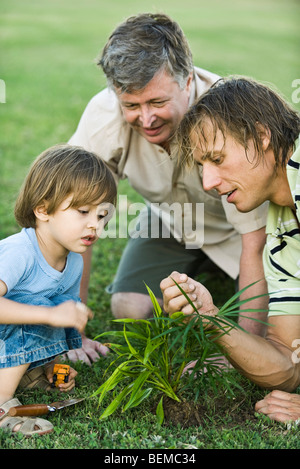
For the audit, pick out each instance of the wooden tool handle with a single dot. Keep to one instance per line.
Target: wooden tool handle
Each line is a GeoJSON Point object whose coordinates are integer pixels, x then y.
{"type": "Point", "coordinates": [24, 410]}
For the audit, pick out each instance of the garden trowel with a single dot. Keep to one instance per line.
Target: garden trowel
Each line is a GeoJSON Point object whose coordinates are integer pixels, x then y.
{"type": "Point", "coordinates": [41, 409]}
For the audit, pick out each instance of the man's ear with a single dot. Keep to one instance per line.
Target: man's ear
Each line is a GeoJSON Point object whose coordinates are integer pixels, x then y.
{"type": "Point", "coordinates": [189, 81]}
{"type": "Point", "coordinates": [265, 135]}
{"type": "Point", "coordinates": [41, 211]}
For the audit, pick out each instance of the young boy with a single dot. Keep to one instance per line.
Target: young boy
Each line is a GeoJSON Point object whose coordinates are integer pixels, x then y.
{"type": "Point", "coordinates": [61, 209]}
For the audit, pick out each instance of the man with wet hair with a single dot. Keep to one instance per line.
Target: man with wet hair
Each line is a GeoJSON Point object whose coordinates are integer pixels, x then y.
{"type": "Point", "coordinates": [245, 138]}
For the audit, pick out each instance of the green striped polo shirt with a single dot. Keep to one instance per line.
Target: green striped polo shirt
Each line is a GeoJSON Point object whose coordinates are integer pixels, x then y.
{"type": "Point", "coordinates": [282, 250]}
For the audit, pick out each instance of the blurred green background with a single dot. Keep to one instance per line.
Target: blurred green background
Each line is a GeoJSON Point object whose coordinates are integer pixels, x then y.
{"type": "Point", "coordinates": [48, 51]}
{"type": "Point", "coordinates": [47, 62]}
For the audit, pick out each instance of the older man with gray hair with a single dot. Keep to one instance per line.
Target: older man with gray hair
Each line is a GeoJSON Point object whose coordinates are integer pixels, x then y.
{"type": "Point", "coordinates": [152, 82]}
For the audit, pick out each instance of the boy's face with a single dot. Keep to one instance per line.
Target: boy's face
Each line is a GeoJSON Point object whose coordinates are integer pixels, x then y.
{"type": "Point", "coordinates": [233, 172]}
{"type": "Point", "coordinates": [73, 229]}
{"type": "Point", "coordinates": [156, 111]}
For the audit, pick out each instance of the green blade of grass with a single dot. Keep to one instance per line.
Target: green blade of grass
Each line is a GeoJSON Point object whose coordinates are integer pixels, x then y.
{"type": "Point", "coordinates": [115, 404]}
{"type": "Point", "coordinates": [137, 393]}
{"type": "Point", "coordinates": [160, 412]}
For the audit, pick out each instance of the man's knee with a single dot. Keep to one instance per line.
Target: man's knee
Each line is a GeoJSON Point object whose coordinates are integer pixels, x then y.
{"type": "Point", "coordinates": [131, 305]}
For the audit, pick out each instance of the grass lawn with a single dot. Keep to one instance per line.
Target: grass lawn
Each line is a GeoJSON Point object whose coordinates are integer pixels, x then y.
{"type": "Point", "coordinates": [47, 64]}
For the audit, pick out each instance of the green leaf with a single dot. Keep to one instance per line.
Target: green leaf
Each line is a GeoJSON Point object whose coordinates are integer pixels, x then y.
{"type": "Point", "coordinates": [115, 404]}
{"type": "Point", "coordinates": [131, 320]}
{"type": "Point", "coordinates": [151, 346]}
{"type": "Point", "coordinates": [160, 413]}
{"type": "Point", "coordinates": [237, 295]}
{"type": "Point", "coordinates": [136, 388]}
{"type": "Point", "coordinates": [186, 296]}
{"type": "Point", "coordinates": [177, 315]}
{"type": "Point", "coordinates": [134, 335]}
{"type": "Point", "coordinates": [157, 309]}
{"type": "Point", "coordinates": [111, 382]}
{"type": "Point", "coordinates": [232, 304]}
{"type": "Point", "coordinates": [131, 348]}
{"type": "Point", "coordinates": [141, 396]}
{"type": "Point", "coordinates": [161, 383]}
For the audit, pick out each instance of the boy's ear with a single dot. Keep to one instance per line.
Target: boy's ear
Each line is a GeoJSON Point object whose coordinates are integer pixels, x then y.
{"type": "Point", "coordinates": [41, 211]}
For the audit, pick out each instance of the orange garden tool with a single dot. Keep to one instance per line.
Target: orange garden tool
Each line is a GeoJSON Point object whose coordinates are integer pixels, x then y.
{"type": "Point", "coordinates": [41, 409]}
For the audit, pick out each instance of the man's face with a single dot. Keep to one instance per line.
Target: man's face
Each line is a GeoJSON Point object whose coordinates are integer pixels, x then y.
{"type": "Point", "coordinates": [234, 172]}
{"type": "Point", "coordinates": [156, 111]}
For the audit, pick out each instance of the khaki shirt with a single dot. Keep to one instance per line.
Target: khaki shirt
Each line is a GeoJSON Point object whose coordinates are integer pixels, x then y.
{"type": "Point", "coordinates": [216, 225]}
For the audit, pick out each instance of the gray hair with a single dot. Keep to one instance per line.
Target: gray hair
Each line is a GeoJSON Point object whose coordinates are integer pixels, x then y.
{"type": "Point", "coordinates": [141, 47]}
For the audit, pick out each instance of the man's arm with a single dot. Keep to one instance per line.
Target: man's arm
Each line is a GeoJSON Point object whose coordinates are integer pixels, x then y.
{"type": "Point", "coordinates": [268, 361]}
{"type": "Point", "coordinates": [251, 270]}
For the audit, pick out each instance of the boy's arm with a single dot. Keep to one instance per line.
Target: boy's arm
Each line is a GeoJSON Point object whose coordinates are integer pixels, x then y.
{"type": "Point", "coordinates": [12, 312]}
{"type": "Point", "coordinates": [68, 314]}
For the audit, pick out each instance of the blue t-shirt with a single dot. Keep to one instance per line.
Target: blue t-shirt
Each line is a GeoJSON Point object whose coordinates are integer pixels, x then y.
{"type": "Point", "coordinates": [26, 272]}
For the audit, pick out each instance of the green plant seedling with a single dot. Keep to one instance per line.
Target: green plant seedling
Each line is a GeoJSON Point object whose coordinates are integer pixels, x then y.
{"type": "Point", "coordinates": [154, 353]}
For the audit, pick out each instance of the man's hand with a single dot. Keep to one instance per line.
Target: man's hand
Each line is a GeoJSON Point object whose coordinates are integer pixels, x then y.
{"type": "Point", "coordinates": [89, 352]}
{"type": "Point", "coordinates": [174, 300]}
{"type": "Point", "coordinates": [280, 406]}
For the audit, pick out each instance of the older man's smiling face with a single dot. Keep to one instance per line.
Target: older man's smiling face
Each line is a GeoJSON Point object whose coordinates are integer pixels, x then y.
{"type": "Point", "coordinates": [156, 111]}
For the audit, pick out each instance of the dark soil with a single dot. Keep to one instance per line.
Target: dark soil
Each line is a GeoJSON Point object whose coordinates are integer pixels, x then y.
{"type": "Point", "coordinates": [187, 414]}
{"type": "Point", "coordinates": [184, 413]}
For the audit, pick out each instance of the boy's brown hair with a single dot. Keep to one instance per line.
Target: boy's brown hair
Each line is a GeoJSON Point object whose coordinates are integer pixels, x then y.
{"type": "Point", "coordinates": [57, 173]}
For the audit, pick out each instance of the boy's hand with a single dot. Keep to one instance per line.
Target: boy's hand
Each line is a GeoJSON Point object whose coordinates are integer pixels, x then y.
{"type": "Point", "coordinates": [70, 314]}
{"type": "Point", "coordinates": [65, 387]}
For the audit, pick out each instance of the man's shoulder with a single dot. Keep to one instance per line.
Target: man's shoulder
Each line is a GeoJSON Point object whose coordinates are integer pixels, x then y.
{"type": "Point", "coordinates": [206, 75]}
{"type": "Point", "coordinates": [103, 113]}
{"type": "Point", "coordinates": [203, 80]}
{"type": "Point", "coordinates": [106, 99]}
